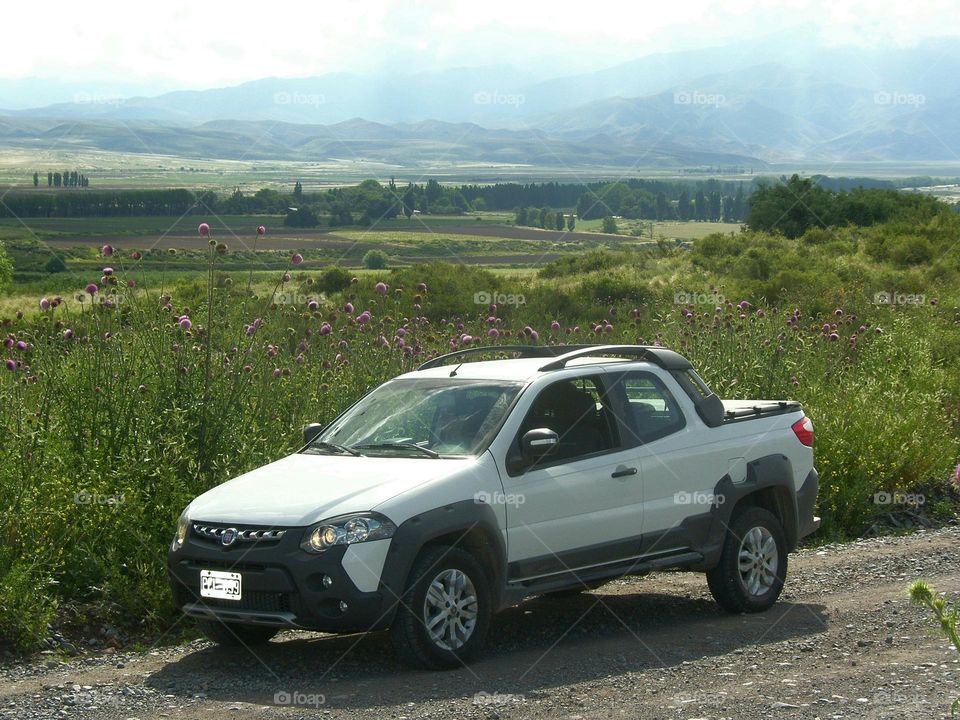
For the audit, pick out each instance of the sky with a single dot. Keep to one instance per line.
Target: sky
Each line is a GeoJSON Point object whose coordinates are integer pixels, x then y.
{"type": "Point", "coordinates": [122, 47]}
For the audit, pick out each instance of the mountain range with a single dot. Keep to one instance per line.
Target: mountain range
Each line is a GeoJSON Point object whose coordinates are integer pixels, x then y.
{"type": "Point", "coordinates": [775, 99]}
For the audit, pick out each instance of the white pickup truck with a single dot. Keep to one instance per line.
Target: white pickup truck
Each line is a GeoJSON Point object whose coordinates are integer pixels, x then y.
{"type": "Point", "coordinates": [457, 490]}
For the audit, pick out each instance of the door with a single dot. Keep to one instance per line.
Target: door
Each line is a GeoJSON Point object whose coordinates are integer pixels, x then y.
{"type": "Point", "coordinates": [582, 503]}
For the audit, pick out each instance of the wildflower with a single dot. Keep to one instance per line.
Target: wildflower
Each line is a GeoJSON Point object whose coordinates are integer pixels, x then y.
{"type": "Point", "coordinates": [203, 229]}
{"type": "Point", "coordinates": [11, 365]}
{"type": "Point", "coordinates": [326, 329]}
{"type": "Point", "coordinates": [834, 337]}
{"type": "Point", "coordinates": [826, 328]}
{"type": "Point", "coordinates": [743, 305]}
{"type": "Point", "coordinates": [534, 335]}
{"type": "Point", "coordinates": [185, 323]}
{"type": "Point", "coordinates": [276, 372]}
{"type": "Point", "coordinates": [44, 304]}
{"type": "Point", "coordinates": [92, 289]}
{"type": "Point", "coordinates": [313, 305]}
{"type": "Point", "coordinates": [297, 259]}
{"type": "Point", "coordinates": [21, 345]}
{"type": "Point", "coordinates": [466, 339]}
{"type": "Point", "coordinates": [131, 283]}
{"type": "Point", "coordinates": [422, 287]}
{"type": "Point", "coordinates": [348, 308]}
{"type": "Point", "coordinates": [493, 333]}
{"type": "Point", "coordinates": [879, 330]}
{"type": "Point", "coordinates": [68, 334]}
{"type": "Point", "coordinates": [838, 312]}
{"type": "Point", "coordinates": [343, 344]}
{"type": "Point", "coordinates": [760, 313]}
{"type": "Point", "coordinates": [301, 359]}
{"type": "Point", "coordinates": [136, 255]}
{"type": "Point", "coordinates": [956, 475]}
{"type": "Point", "coordinates": [108, 271]}
{"type": "Point", "coordinates": [934, 301]}
{"type": "Point", "coordinates": [794, 381]}
{"type": "Point", "coordinates": [142, 388]}
{"type": "Point", "coordinates": [381, 288]}
{"type": "Point", "coordinates": [364, 317]}
{"type": "Point", "coordinates": [555, 326]}
{"type": "Point", "coordinates": [107, 250]}
{"type": "Point", "coordinates": [261, 230]}
{"type": "Point", "coordinates": [286, 277]}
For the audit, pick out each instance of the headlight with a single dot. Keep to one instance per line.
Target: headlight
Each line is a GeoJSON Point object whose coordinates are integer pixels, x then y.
{"type": "Point", "coordinates": [183, 528]}
{"type": "Point", "coordinates": [346, 530]}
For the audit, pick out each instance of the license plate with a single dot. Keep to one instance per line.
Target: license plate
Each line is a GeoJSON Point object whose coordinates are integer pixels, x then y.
{"type": "Point", "coordinates": [220, 585]}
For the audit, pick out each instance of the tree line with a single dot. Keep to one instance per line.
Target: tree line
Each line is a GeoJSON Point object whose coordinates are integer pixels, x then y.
{"type": "Point", "coordinates": [68, 178]}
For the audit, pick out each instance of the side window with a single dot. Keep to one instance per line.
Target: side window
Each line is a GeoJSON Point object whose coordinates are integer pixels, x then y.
{"type": "Point", "coordinates": [578, 411]}
{"type": "Point", "coordinates": [653, 411]}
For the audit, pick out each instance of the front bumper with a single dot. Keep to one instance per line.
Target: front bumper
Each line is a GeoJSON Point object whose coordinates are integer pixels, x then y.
{"type": "Point", "coordinates": [282, 585]}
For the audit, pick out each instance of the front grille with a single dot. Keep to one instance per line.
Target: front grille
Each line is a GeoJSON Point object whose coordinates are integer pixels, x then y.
{"type": "Point", "coordinates": [214, 533]}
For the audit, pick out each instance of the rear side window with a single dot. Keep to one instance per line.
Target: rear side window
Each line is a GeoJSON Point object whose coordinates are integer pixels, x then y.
{"type": "Point", "coordinates": [653, 413]}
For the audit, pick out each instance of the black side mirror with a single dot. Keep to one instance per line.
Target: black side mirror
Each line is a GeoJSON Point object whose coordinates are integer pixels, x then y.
{"type": "Point", "coordinates": [538, 442]}
{"type": "Point", "coordinates": [311, 431]}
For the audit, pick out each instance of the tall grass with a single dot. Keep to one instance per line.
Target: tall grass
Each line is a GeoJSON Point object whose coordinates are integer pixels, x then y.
{"type": "Point", "coordinates": [119, 409]}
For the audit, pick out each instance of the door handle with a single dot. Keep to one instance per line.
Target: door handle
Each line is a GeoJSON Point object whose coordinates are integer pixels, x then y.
{"type": "Point", "coordinates": [622, 471]}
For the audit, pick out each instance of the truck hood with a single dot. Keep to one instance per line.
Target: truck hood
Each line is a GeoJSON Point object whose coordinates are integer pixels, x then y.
{"type": "Point", "coordinates": [303, 489]}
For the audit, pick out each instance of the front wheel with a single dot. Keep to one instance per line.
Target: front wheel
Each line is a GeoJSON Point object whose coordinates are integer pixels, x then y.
{"type": "Point", "coordinates": [753, 563]}
{"type": "Point", "coordinates": [444, 613]}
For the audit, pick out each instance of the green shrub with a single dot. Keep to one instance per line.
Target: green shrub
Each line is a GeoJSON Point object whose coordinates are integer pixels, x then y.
{"type": "Point", "coordinates": [375, 260]}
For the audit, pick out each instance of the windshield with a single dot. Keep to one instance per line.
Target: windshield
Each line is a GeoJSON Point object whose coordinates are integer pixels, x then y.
{"type": "Point", "coordinates": [423, 418]}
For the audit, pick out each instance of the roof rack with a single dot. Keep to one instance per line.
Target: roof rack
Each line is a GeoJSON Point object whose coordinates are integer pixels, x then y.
{"type": "Point", "coordinates": [666, 359]}
{"type": "Point", "coordinates": [524, 351]}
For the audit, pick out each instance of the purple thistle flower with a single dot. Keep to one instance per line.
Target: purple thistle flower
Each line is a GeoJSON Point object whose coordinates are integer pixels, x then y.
{"type": "Point", "coordinates": [743, 305]}
{"type": "Point", "coordinates": [92, 289]}
{"type": "Point", "coordinates": [326, 329]}
{"type": "Point", "coordinates": [343, 344]}
{"type": "Point", "coordinates": [21, 345]}
{"type": "Point", "coordinates": [833, 337]}
{"type": "Point", "coordinates": [185, 323]}
{"type": "Point", "coordinates": [296, 259]}
{"type": "Point", "coordinates": [421, 287]}
{"type": "Point", "coordinates": [44, 304]}
{"type": "Point", "coordinates": [879, 330]}
{"type": "Point", "coordinates": [381, 288]}
{"type": "Point", "coordinates": [934, 301]}
{"type": "Point", "coordinates": [364, 317]}
{"type": "Point", "coordinates": [534, 335]}
{"type": "Point", "coordinates": [203, 229]}
{"type": "Point", "coordinates": [142, 388]}
{"type": "Point", "coordinates": [276, 372]}
{"type": "Point", "coordinates": [348, 308]}
{"type": "Point", "coordinates": [555, 326]}
{"type": "Point", "coordinates": [11, 365]}
{"type": "Point", "coordinates": [826, 328]}
{"type": "Point", "coordinates": [108, 271]}
{"type": "Point", "coordinates": [313, 305]}
{"type": "Point", "coordinates": [68, 334]}
{"type": "Point", "coordinates": [136, 255]}
{"type": "Point", "coordinates": [838, 312]}
{"type": "Point", "coordinates": [131, 283]}
{"type": "Point", "coordinates": [107, 250]}
{"type": "Point", "coordinates": [261, 230]}
{"type": "Point", "coordinates": [301, 359]}
{"type": "Point", "coordinates": [956, 475]}
{"type": "Point", "coordinates": [285, 278]}
{"type": "Point", "coordinates": [493, 332]}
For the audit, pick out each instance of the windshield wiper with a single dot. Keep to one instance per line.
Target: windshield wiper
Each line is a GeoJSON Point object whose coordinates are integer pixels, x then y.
{"type": "Point", "coordinates": [318, 444]}
{"type": "Point", "coordinates": [399, 445]}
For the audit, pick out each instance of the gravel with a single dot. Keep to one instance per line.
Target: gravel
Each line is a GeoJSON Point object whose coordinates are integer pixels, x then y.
{"type": "Point", "coordinates": [843, 642]}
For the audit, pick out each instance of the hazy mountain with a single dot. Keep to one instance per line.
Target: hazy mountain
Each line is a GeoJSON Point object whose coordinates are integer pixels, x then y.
{"type": "Point", "coordinates": [782, 97]}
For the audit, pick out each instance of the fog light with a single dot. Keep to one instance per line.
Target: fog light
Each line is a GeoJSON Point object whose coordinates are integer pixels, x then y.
{"type": "Point", "coordinates": [343, 606]}
{"type": "Point", "coordinates": [327, 581]}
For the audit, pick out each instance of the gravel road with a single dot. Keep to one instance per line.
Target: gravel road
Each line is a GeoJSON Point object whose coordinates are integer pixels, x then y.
{"type": "Point", "coordinates": [843, 642]}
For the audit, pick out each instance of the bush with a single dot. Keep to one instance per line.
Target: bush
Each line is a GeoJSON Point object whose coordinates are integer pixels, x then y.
{"type": "Point", "coordinates": [6, 269]}
{"type": "Point", "coordinates": [334, 279]}
{"type": "Point", "coordinates": [55, 264]}
{"type": "Point", "coordinates": [375, 260]}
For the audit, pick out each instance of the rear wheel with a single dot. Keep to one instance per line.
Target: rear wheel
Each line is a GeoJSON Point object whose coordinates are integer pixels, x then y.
{"type": "Point", "coordinates": [234, 634]}
{"type": "Point", "coordinates": [444, 613]}
{"type": "Point", "coordinates": [753, 563]}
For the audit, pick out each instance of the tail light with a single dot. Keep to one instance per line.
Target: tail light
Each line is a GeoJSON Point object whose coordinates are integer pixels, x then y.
{"type": "Point", "coordinates": [803, 429]}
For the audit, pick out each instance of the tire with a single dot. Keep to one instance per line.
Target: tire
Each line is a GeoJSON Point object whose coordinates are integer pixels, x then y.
{"type": "Point", "coordinates": [755, 584]}
{"type": "Point", "coordinates": [235, 634]}
{"type": "Point", "coordinates": [423, 632]}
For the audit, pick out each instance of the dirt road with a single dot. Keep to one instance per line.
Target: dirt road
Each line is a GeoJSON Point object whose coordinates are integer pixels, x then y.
{"type": "Point", "coordinates": [843, 642]}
